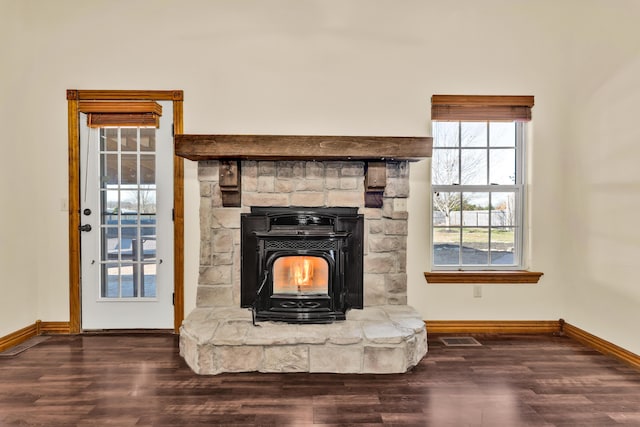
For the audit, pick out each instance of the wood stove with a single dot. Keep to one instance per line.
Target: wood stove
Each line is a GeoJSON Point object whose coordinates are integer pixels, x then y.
{"type": "Point", "coordinates": [301, 265]}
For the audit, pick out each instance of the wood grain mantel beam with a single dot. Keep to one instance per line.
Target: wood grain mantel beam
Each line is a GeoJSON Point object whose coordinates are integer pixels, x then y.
{"type": "Point", "coordinates": [301, 147]}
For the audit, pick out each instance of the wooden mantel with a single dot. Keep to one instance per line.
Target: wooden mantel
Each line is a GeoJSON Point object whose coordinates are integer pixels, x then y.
{"type": "Point", "coordinates": [301, 147]}
{"type": "Point", "coordinates": [230, 149]}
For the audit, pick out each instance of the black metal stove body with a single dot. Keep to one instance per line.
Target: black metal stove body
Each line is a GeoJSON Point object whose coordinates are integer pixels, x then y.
{"type": "Point", "coordinates": [281, 245]}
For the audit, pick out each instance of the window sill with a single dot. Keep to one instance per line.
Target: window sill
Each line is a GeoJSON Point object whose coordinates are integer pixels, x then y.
{"type": "Point", "coordinates": [502, 276]}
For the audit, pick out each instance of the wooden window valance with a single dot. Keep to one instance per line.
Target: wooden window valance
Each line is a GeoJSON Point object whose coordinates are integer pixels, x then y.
{"type": "Point", "coordinates": [481, 108]}
{"type": "Point", "coordinates": [121, 113]}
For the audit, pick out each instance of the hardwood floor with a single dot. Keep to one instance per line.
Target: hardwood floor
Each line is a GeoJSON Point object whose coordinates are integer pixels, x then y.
{"type": "Point", "coordinates": [141, 380]}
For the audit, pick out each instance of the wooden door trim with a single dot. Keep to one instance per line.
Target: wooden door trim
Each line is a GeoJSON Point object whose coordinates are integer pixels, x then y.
{"type": "Point", "coordinates": [73, 99]}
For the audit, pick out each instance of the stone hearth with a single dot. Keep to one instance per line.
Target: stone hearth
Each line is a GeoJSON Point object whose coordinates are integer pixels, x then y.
{"type": "Point", "coordinates": [384, 339]}
{"type": "Point", "coordinates": [387, 336]}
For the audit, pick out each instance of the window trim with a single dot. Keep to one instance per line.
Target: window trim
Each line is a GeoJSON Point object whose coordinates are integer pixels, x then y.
{"type": "Point", "coordinates": [488, 108]}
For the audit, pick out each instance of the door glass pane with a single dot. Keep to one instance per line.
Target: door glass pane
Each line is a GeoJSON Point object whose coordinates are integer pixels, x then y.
{"type": "Point", "coordinates": [147, 169]}
{"type": "Point", "coordinates": [149, 281]}
{"type": "Point", "coordinates": [110, 280]}
{"type": "Point", "coordinates": [109, 139]}
{"type": "Point", "coordinates": [147, 139]}
{"type": "Point", "coordinates": [127, 289]}
{"type": "Point", "coordinates": [129, 172]}
{"type": "Point", "coordinates": [129, 139]}
{"type": "Point", "coordinates": [109, 170]}
{"type": "Point", "coordinates": [128, 208]}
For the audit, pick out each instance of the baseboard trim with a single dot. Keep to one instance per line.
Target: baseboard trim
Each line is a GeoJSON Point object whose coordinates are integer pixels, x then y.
{"type": "Point", "coordinates": [603, 346]}
{"type": "Point", "coordinates": [18, 337]}
{"type": "Point", "coordinates": [492, 326]}
{"type": "Point", "coordinates": [37, 328]}
{"type": "Point", "coordinates": [50, 328]}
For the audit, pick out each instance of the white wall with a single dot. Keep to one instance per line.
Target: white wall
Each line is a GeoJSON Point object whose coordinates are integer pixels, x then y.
{"type": "Point", "coordinates": [603, 183]}
{"type": "Point", "coordinates": [357, 67]}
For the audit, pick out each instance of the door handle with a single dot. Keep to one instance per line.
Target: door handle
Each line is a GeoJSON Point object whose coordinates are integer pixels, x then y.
{"type": "Point", "coordinates": [86, 227]}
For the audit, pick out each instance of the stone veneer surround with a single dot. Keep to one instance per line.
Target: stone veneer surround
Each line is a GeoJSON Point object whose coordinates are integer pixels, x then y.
{"type": "Point", "coordinates": [307, 184]}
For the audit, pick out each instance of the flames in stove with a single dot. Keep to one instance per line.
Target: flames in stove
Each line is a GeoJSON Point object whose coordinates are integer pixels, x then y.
{"type": "Point", "coordinates": [300, 275]}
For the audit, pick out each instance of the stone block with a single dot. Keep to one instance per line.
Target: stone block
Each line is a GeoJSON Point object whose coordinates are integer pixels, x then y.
{"type": "Point", "coordinates": [383, 243]}
{"type": "Point", "coordinates": [272, 333]}
{"type": "Point", "coordinates": [249, 183]}
{"type": "Point", "coordinates": [298, 170]}
{"type": "Point", "coordinates": [266, 184]}
{"type": "Point", "coordinates": [345, 198]}
{"type": "Point", "coordinates": [314, 169]}
{"type": "Point", "coordinates": [284, 169]}
{"type": "Point", "coordinates": [385, 360]}
{"type": "Point", "coordinates": [374, 291]}
{"type": "Point", "coordinates": [397, 187]}
{"type": "Point", "coordinates": [397, 299]}
{"type": "Point", "coordinates": [345, 332]}
{"type": "Point", "coordinates": [372, 213]}
{"type": "Point", "coordinates": [205, 189]}
{"type": "Point", "coordinates": [375, 226]}
{"type": "Point", "coordinates": [266, 168]}
{"type": "Point", "coordinates": [394, 208]}
{"type": "Point", "coordinates": [395, 283]}
{"type": "Point", "coordinates": [395, 227]}
{"type": "Point", "coordinates": [307, 199]}
{"type": "Point", "coordinates": [216, 196]}
{"type": "Point", "coordinates": [232, 332]}
{"type": "Point", "coordinates": [398, 169]}
{"type": "Point", "coordinates": [216, 275]}
{"type": "Point", "coordinates": [208, 170]}
{"type": "Point", "coordinates": [237, 238]}
{"type": "Point", "coordinates": [249, 169]}
{"type": "Point", "coordinates": [402, 261]}
{"type": "Point", "coordinates": [222, 240]}
{"type": "Point", "coordinates": [226, 217]}
{"type": "Point", "coordinates": [337, 359]}
{"type": "Point", "coordinates": [205, 252]}
{"type": "Point", "coordinates": [332, 183]}
{"type": "Point", "coordinates": [349, 183]}
{"type": "Point", "coordinates": [413, 324]}
{"type": "Point", "coordinates": [205, 361]}
{"type": "Point", "coordinates": [368, 314]}
{"type": "Point", "coordinates": [352, 169]}
{"type": "Point", "coordinates": [285, 358]}
{"type": "Point", "coordinates": [309, 185]}
{"type": "Point", "coordinates": [222, 258]}
{"type": "Point", "coordinates": [238, 359]}
{"type": "Point", "coordinates": [384, 332]}
{"type": "Point", "coordinates": [284, 185]}
{"type": "Point", "coordinates": [265, 199]}
{"type": "Point", "coordinates": [380, 262]}
{"type": "Point", "coordinates": [225, 314]}
{"type": "Point", "coordinates": [214, 296]}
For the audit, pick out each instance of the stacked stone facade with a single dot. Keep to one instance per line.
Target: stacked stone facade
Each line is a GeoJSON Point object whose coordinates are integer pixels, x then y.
{"type": "Point", "coordinates": [306, 184]}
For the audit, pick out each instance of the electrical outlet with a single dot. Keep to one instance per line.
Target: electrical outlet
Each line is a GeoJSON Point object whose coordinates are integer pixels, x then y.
{"type": "Point", "coordinates": [477, 291]}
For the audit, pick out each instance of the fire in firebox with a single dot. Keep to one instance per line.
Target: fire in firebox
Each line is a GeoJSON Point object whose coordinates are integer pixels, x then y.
{"type": "Point", "coordinates": [302, 275]}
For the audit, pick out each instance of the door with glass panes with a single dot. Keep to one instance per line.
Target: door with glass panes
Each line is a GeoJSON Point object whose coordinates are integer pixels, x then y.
{"type": "Point", "coordinates": [127, 229]}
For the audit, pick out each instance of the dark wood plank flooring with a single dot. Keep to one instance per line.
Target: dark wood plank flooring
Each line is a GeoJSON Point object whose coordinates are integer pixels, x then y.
{"type": "Point", "coordinates": [140, 380]}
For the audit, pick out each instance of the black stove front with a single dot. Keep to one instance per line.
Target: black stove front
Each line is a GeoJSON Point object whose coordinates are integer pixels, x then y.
{"type": "Point", "coordinates": [301, 265]}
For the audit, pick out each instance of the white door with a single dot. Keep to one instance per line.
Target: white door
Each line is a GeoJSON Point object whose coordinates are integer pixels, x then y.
{"type": "Point", "coordinates": [126, 206]}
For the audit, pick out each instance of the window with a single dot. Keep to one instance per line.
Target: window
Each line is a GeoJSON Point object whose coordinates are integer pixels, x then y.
{"type": "Point", "coordinates": [478, 182]}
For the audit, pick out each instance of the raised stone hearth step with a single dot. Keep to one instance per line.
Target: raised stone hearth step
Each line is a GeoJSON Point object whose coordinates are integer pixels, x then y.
{"type": "Point", "coordinates": [379, 339]}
